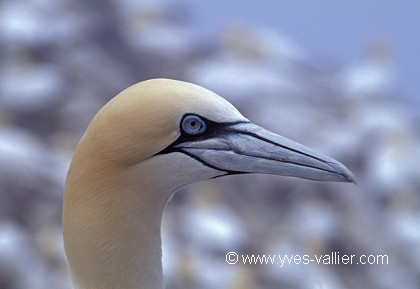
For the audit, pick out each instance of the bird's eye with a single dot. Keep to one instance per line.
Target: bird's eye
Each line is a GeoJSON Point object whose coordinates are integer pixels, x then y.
{"type": "Point", "coordinates": [193, 125]}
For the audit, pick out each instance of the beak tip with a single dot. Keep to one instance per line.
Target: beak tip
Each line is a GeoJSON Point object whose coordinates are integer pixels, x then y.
{"type": "Point", "coordinates": [350, 178]}
{"type": "Point", "coordinates": [346, 175]}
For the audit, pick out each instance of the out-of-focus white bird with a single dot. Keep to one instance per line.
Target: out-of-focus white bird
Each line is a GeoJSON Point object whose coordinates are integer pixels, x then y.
{"type": "Point", "coordinates": [374, 77]}
{"type": "Point", "coordinates": [22, 152]}
{"type": "Point", "coordinates": [269, 59]}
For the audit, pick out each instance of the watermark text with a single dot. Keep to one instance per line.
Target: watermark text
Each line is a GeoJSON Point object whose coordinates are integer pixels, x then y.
{"type": "Point", "coordinates": [334, 258]}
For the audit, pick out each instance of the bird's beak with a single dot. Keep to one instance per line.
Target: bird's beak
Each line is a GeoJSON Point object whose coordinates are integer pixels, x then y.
{"type": "Point", "coordinates": [248, 148]}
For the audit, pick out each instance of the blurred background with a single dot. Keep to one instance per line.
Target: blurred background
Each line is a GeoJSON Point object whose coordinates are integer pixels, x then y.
{"type": "Point", "coordinates": [341, 78]}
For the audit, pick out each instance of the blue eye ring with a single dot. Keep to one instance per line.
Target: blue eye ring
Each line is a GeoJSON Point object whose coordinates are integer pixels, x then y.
{"type": "Point", "coordinates": [193, 125]}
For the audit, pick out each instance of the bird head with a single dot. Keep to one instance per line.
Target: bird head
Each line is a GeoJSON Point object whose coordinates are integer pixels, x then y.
{"type": "Point", "coordinates": [186, 133]}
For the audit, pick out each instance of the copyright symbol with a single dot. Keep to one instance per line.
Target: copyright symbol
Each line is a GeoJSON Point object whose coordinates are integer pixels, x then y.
{"type": "Point", "coordinates": [232, 258]}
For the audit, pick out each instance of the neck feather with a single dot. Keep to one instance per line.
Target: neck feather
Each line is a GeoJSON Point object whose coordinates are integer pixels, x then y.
{"type": "Point", "coordinates": [111, 227]}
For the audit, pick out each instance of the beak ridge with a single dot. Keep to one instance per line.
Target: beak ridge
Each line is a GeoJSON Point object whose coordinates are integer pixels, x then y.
{"type": "Point", "coordinates": [248, 148]}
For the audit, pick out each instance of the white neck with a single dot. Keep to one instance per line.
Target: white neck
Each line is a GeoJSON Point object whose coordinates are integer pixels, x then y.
{"type": "Point", "coordinates": [112, 237]}
{"type": "Point", "coordinates": [112, 217]}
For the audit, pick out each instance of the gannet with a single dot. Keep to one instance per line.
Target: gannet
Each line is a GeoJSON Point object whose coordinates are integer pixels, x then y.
{"type": "Point", "coordinates": [144, 144]}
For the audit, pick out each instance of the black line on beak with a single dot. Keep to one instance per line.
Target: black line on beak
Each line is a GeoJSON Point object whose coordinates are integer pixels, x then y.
{"type": "Point", "coordinates": [228, 172]}
{"type": "Point", "coordinates": [252, 134]}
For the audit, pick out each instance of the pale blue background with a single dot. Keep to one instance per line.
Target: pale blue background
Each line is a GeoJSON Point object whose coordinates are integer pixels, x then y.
{"type": "Point", "coordinates": [338, 30]}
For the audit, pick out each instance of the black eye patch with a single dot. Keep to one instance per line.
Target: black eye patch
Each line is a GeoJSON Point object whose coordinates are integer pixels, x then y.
{"type": "Point", "coordinates": [202, 129]}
